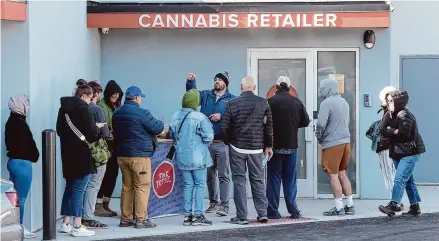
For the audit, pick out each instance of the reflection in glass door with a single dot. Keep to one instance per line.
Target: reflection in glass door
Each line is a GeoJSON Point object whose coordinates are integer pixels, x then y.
{"type": "Point", "coordinates": [266, 67]}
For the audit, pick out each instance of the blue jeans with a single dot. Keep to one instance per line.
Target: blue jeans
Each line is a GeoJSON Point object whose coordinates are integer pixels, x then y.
{"type": "Point", "coordinates": [73, 198]}
{"type": "Point", "coordinates": [404, 179]}
{"type": "Point", "coordinates": [194, 180]}
{"type": "Point", "coordinates": [20, 173]}
{"type": "Point", "coordinates": [282, 168]}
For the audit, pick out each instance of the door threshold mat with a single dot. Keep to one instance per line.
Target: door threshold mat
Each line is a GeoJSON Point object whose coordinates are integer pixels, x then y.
{"type": "Point", "coordinates": [280, 220]}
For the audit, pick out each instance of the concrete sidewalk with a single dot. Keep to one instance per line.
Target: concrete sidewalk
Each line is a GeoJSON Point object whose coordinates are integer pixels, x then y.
{"type": "Point", "coordinates": [311, 209]}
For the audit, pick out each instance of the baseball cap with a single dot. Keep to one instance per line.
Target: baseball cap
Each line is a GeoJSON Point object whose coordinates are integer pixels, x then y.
{"type": "Point", "coordinates": [134, 91]}
{"type": "Point", "coordinates": [283, 79]}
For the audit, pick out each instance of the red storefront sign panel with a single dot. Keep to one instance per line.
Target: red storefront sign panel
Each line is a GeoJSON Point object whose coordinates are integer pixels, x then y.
{"type": "Point", "coordinates": [13, 11]}
{"type": "Point", "coordinates": [239, 20]}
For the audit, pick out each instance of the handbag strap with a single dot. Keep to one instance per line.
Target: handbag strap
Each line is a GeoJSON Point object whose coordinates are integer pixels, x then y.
{"type": "Point", "coordinates": [75, 130]}
{"type": "Point", "coordinates": [179, 129]}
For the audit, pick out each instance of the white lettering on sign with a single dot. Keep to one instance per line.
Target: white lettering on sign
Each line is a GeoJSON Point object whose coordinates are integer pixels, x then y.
{"type": "Point", "coordinates": [164, 178]}
{"type": "Point", "coordinates": [238, 20]}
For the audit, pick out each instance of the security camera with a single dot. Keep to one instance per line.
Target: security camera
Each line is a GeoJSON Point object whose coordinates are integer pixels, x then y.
{"type": "Point", "coordinates": [105, 30]}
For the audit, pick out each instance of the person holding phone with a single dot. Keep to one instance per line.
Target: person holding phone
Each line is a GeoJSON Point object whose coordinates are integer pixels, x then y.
{"type": "Point", "coordinates": [247, 129]}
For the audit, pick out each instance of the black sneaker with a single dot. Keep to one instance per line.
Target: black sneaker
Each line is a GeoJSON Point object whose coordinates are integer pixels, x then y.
{"type": "Point", "coordinates": [349, 210]}
{"type": "Point", "coordinates": [414, 211]}
{"type": "Point", "coordinates": [201, 221]}
{"type": "Point", "coordinates": [188, 220]}
{"type": "Point", "coordinates": [262, 219]}
{"type": "Point", "coordinates": [222, 211]}
{"type": "Point", "coordinates": [213, 207]}
{"type": "Point", "coordinates": [145, 224]}
{"type": "Point", "coordinates": [126, 223]}
{"type": "Point", "coordinates": [239, 221]}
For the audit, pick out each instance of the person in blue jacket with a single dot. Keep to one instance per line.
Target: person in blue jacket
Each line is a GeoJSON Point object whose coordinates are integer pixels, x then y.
{"type": "Point", "coordinates": [213, 104]}
{"type": "Point", "coordinates": [135, 131]}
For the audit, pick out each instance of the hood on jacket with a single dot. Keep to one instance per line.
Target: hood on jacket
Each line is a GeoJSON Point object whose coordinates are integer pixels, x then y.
{"type": "Point", "coordinates": [383, 93]}
{"type": "Point", "coordinates": [70, 103]}
{"type": "Point", "coordinates": [328, 87]}
{"type": "Point", "coordinates": [191, 99]}
{"type": "Point", "coordinates": [112, 88]}
{"type": "Point", "coordinates": [400, 99]}
{"type": "Point", "coordinates": [19, 104]}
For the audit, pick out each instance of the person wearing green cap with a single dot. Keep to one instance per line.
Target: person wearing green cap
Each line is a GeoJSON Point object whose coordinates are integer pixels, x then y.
{"type": "Point", "coordinates": [192, 133]}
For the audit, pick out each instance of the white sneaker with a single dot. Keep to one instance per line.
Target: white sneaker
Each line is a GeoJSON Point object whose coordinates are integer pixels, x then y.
{"type": "Point", "coordinates": [65, 228]}
{"type": "Point", "coordinates": [27, 234]}
{"type": "Point", "coordinates": [81, 232]}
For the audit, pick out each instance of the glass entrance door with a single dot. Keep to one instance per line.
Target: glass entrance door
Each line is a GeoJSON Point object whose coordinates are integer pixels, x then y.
{"type": "Point", "coordinates": [266, 67]}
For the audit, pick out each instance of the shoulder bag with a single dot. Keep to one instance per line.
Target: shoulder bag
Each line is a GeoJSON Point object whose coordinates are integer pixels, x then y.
{"type": "Point", "coordinates": [98, 149]}
{"type": "Point", "coordinates": [171, 152]}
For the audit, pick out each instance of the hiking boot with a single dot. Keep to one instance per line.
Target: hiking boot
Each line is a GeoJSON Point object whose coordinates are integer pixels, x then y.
{"type": "Point", "coordinates": [101, 212]}
{"type": "Point", "coordinates": [222, 211]}
{"type": "Point", "coordinates": [145, 224]}
{"type": "Point", "coordinates": [188, 220]}
{"type": "Point", "coordinates": [389, 209]}
{"type": "Point", "coordinates": [201, 221]}
{"type": "Point", "coordinates": [349, 210]}
{"type": "Point", "coordinates": [239, 221]}
{"type": "Point", "coordinates": [94, 224]}
{"type": "Point", "coordinates": [262, 220]}
{"type": "Point", "coordinates": [106, 206]}
{"type": "Point", "coordinates": [414, 210]}
{"type": "Point", "coordinates": [126, 223]}
{"type": "Point", "coordinates": [399, 208]}
{"type": "Point", "coordinates": [213, 207]}
{"type": "Point", "coordinates": [334, 212]}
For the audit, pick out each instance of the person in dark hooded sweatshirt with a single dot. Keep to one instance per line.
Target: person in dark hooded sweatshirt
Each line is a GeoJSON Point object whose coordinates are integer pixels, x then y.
{"type": "Point", "coordinates": [406, 147]}
{"type": "Point", "coordinates": [77, 163]}
{"type": "Point", "coordinates": [112, 100]}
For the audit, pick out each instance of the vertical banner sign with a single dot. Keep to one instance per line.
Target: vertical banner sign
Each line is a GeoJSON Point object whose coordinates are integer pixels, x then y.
{"type": "Point", "coordinates": [166, 196]}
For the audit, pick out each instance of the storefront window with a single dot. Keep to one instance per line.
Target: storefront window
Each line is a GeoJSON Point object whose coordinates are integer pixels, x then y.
{"type": "Point", "coordinates": [341, 66]}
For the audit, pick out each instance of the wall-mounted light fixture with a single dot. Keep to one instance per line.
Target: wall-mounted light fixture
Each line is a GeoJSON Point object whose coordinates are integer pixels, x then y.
{"type": "Point", "coordinates": [369, 39]}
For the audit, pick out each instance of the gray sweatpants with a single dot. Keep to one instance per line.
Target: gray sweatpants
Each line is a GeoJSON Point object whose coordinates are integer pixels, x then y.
{"type": "Point", "coordinates": [220, 156]}
{"type": "Point", "coordinates": [239, 163]}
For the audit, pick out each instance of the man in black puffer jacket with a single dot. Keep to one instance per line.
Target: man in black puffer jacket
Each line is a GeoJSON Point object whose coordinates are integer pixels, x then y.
{"type": "Point", "coordinates": [406, 145]}
{"type": "Point", "coordinates": [247, 128]}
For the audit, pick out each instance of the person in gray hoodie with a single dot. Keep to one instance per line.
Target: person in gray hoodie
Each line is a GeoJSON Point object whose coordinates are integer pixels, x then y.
{"type": "Point", "coordinates": [332, 132]}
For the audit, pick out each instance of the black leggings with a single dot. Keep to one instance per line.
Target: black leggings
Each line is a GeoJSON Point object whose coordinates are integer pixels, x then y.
{"type": "Point", "coordinates": [110, 177]}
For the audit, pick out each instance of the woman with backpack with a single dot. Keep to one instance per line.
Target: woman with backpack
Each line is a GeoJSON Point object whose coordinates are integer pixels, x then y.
{"type": "Point", "coordinates": [77, 162]}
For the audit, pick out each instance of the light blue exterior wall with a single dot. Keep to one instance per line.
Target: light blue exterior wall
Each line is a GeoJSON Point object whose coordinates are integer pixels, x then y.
{"type": "Point", "coordinates": [411, 33]}
{"type": "Point", "coordinates": [158, 62]}
{"type": "Point", "coordinates": [43, 58]}
{"type": "Point", "coordinates": [14, 76]}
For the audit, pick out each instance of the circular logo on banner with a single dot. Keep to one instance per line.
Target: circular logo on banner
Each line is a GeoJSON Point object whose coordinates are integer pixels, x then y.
{"type": "Point", "coordinates": [163, 179]}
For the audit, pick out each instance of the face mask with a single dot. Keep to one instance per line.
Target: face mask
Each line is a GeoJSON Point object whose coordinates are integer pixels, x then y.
{"type": "Point", "coordinates": [392, 106]}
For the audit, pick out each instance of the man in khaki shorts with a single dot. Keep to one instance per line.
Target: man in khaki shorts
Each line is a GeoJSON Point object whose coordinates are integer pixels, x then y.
{"type": "Point", "coordinates": [332, 131]}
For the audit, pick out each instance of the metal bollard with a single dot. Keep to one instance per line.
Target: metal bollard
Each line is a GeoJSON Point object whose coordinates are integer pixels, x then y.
{"type": "Point", "coordinates": [49, 185]}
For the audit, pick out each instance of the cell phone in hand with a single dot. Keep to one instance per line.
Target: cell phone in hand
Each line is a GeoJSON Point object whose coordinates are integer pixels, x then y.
{"type": "Point", "coordinates": [265, 160]}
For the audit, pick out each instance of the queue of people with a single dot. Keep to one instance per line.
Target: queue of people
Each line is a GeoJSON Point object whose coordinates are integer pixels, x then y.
{"type": "Point", "coordinates": [244, 133]}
